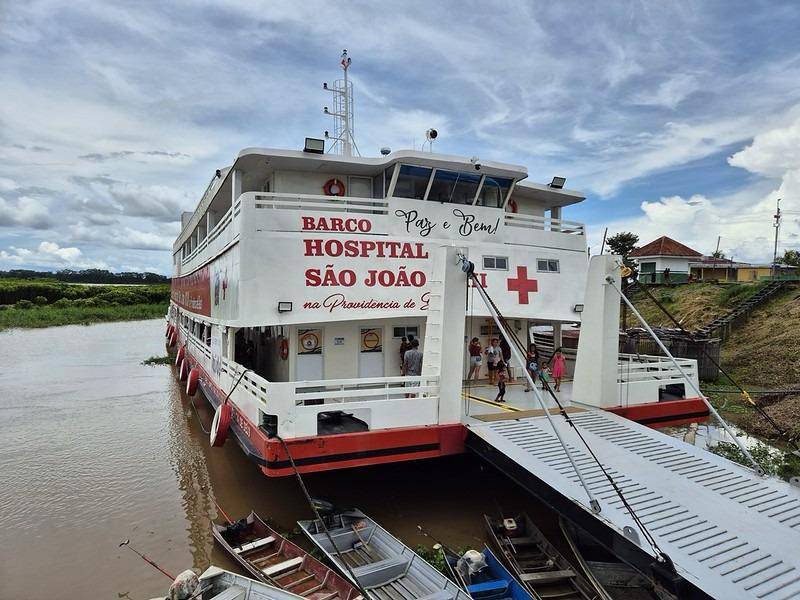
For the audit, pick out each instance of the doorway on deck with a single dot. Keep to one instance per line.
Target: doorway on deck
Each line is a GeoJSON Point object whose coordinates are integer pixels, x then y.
{"type": "Point", "coordinates": [370, 355]}
{"type": "Point", "coordinates": [310, 363]}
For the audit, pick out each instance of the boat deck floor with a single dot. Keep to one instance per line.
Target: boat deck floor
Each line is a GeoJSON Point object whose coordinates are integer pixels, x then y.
{"type": "Point", "coordinates": [729, 532]}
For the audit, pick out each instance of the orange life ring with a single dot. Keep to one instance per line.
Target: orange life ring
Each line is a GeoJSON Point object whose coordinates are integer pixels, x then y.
{"type": "Point", "coordinates": [513, 205]}
{"type": "Point", "coordinates": [333, 187]}
{"type": "Point", "coordinates": [220, 425]}
{"type": "Point", "coordinates": [180, 356]}
{"type": "Point", "coordinates": [284, 348]}
{"type": "Point", "coordinates": [191, 382]}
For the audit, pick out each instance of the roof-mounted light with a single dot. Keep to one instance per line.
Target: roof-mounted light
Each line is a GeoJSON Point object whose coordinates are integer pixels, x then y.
{"type": "Point", "coordinates": [314, 145]}
{"type": "Point", "coordinates": [558, 182]}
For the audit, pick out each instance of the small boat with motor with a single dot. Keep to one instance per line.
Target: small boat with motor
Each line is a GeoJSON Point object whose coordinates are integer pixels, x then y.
{"type": "Point", "coordinates": [377, 561]}
{"type": "Point", "coordinates": [273, 559]}
{"type": "Point", "coordinates": [534, 561]}
{"type": "Point", "coordinates": [483, 576]}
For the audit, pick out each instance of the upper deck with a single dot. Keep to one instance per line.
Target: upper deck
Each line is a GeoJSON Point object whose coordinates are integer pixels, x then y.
{"type": "Point", "coordinates": [273, 207]}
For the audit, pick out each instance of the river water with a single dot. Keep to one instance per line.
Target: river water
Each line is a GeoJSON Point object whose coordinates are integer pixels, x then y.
{"type": "Point", "coordinates": [96, 448]}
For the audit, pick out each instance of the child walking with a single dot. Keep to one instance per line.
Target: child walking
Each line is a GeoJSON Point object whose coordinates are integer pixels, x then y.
{"type": "Point", "coordinates": [558, 368]}
{"type": "Point", "coordinates": [501, 382]}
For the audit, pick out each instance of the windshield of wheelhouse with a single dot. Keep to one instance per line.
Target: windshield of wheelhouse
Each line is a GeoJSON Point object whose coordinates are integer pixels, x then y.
{"type": "Point", "coordinates": [454, 187]}
{"type": "Point", "coordinates": [493, 192]}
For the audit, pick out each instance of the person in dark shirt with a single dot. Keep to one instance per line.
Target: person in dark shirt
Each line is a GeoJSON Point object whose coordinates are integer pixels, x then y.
{"type": "Point", "coordinates": [506, 350]}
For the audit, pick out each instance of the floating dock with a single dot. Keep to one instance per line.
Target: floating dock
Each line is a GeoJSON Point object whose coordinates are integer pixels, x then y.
{"type": "Point", "coordinates": [730, 533]}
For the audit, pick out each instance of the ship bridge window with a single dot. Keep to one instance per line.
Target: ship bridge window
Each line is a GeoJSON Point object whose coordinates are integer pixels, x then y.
{"type": "Point", "coordinates": [494, 191]}
{"type": "Point", "coordinates": [451, 186]}
{"type": "Point", "coordinates": [412, 182]}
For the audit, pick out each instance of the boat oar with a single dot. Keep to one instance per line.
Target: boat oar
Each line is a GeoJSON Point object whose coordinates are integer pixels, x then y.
{"type": "Point", "coordinates": [442, 544]}
{"type": "Point", "coordinates": [143, 557]}
{"type": "Point", "coordinates": [219, 508]}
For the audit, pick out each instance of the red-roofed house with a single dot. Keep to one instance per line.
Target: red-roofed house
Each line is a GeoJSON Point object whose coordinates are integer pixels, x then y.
{"type": "Point", "coordinates": [659, 255]}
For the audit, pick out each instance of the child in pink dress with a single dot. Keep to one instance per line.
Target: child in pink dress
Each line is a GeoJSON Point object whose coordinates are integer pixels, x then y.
{"type": "Point", "coordinates": [558, 368]}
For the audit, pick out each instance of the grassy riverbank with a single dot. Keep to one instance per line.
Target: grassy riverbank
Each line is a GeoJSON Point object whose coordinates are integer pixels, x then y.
{"type": "Point", "coordinates": [27, 303]}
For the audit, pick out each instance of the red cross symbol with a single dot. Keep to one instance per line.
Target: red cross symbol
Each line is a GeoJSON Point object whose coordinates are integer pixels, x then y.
{"type": "Point", "coordinates": [522, 285]}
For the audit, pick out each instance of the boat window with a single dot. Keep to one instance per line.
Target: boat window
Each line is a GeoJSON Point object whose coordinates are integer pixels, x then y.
{"type": "Point", "coordinates": [547, 265]}
{"type": "Point", "coordinates": [412, 182]}
{"type": "Point", "coordinates": [455, 187]}
{"type": "Point", "coordinates": [399, 332]}
{"type": "Point", "coordinates": [494, 191]}
{"type": "Point", "coordinates": [497, 263]}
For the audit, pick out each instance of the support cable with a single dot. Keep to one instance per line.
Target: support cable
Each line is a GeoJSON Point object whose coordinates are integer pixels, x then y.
{"type": "Point", "coordinates": [758, 469]}
{"type": "Point", "coordinates": [501, 322]}
{"type": "Point", "coordinates": [321, 521]}
{"type": "Point", "coordinates": [745, 394]}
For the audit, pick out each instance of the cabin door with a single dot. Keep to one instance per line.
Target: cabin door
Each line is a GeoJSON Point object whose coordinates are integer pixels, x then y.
{"type": "Point", "coordinates": [310, 365]}
{"type": "Point", "coordinates": [360, 187]}
{"type": "Point", "coordinates": [370, 355]}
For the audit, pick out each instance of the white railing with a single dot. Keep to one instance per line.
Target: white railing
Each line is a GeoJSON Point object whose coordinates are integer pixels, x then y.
{"type": "Point", "coordinates": [222, 234]}
{"type": "Point", "coordinates": [544, 224]}
{"type": "Point", "coordinates": [309, 202]}
{"type": "Point", "coordinates": [381, 402]}
{"type": "Point", "coordinates": [640, 377]}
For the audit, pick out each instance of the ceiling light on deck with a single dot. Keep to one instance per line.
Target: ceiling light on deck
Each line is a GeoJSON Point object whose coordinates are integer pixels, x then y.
{"type": "Point", "coordinates": [314, 145]}
{"type": "Point", "coordinates": [558, 182]}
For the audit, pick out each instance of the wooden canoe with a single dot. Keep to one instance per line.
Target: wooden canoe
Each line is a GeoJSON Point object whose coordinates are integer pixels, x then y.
{"type": "Point", "coordinates": [535, 562]}
{"type": "Point", "coordinates": [273, 559]}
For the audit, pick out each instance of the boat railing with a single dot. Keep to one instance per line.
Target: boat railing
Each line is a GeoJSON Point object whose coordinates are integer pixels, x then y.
{"type": "Point", "coordinates": [368, 388]}
{"type": "Point", "coordinates": [640, 377]}
{"type": "Point", "coordinates": [315, 203]}
{"type": "Point", "coordinates": [544, 223]}
{"type": "Point", "coordinates": [222, 234]}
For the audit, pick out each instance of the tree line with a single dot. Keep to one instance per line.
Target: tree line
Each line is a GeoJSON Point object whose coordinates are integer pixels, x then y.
{"type": "Point", "coordinates": [86, 276]}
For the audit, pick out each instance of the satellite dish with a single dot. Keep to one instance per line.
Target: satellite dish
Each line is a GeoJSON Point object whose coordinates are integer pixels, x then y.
{"type": "Point", "coordinates": [431, 134]}
{"type": "Point", "coordinates": [386, 150]}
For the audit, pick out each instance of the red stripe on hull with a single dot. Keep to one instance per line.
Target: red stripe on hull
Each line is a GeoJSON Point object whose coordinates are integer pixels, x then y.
{"type": "Point", "coordinates": [660, 414]}
{"type": "Point", "coordinates": [348, 450]}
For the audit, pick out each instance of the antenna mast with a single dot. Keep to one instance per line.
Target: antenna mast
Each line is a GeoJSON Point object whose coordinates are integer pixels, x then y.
{"type": "Point", "coordinates": [343, 133]}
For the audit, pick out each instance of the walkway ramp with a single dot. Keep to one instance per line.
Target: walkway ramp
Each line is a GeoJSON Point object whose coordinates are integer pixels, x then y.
{"type": "Point", "coordinates": [731, 534]}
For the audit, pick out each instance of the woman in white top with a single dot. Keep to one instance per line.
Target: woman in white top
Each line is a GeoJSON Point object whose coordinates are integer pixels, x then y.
{"type": "Point", "coordinates": [493, 356]}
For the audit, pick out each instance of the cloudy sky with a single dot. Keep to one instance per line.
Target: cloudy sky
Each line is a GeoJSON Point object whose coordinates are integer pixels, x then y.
{"type": "Point", "coordinates": [676, 118]}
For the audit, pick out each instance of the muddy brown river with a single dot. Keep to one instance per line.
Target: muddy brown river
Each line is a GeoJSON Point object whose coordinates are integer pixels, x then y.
{"type": "Point", "coordinates": [96, 448]}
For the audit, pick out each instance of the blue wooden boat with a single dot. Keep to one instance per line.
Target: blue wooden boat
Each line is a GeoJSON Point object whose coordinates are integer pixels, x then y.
{"type": "Point", "coordinates": [492, 582]}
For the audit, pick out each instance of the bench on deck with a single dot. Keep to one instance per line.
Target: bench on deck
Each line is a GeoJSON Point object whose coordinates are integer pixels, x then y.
{"type": "Point", "coordinates": [547, 576]}
{"type": "Point", "coordinates": [253, 545]}
{"type": "Point", "coordinates": [440, 595]}
{"type": "Point", "coordinates": [292, 563]}
{"type": "Point", "coordinates": [235, 592]}
{"type": "Point", "coordinates": [381, 572]}
{"type": "Point", "coordinates": [497, 587]}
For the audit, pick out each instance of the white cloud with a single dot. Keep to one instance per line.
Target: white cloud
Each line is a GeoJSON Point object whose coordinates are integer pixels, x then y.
{"type": "Point", "coordinates": [49, 254]}
{"type": "Point", "coordinates": [25, 212]}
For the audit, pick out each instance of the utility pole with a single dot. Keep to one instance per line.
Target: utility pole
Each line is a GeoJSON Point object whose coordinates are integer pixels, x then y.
{"type": "Point", "coordinates": [716, 255]}
{"type": "Point", "coordinates": [777, 226]}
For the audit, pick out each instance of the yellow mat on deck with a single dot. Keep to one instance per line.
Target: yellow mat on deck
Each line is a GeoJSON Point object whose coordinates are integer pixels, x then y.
{"type": "Point", "coordinates": [522, 414]}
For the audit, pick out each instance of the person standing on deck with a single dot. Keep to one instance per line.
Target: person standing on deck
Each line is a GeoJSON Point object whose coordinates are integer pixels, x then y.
{"type": "Point", "coordinates": [506, 350]}
{"type": "Point", "coordinates": [532, 364]}
{"type": "Point", "coordinates": [558, 368]}
{"type": "Point", "coordinates": [501, 382]}
{"type": "Point", "coordinates": [412, 364]}
{"type": "Point", "coordinates": [493, 356]}
{"type": "Point", "coordinates": [404, 347]}
{"type": "Point", "coordinates": [474, 359]}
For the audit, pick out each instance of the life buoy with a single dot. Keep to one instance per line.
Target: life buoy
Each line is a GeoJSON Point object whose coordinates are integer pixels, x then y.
{"type": "Point", "coordinates": [183, 370]}
{"type": "Point", "coordinates": [180, 356]}
{"type": "Point", "coordinates": [220, 425]}
{"type": "Point", "coordinates": [173, 339]}
{"type": "Point", "coordinates": [191, 382]}
{"type": "Point", "coordinates": [333, 187]}
{"type": "Point", "coordinates": [284, 348]}
{"type": "Point", "coordinates": [169, 330]}
{"type": "Point", "coordinates": [513, 205]}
